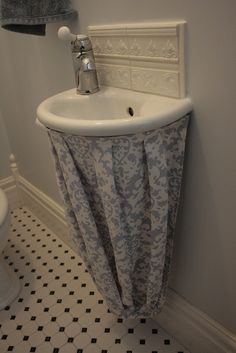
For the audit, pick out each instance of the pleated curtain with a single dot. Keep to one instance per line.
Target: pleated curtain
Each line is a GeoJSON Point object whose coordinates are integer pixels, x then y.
{"type": "Point", "coordinates": [121, 196]}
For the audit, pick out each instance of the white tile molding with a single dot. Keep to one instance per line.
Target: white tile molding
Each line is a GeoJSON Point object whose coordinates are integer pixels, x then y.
{"type": "Point", "coordinates": [193, 328]}
{"type": "Point", "coordinates": [190, 326]}
{"type": "Point", "coordinates": [146, 57]}
{"type": "Point", "coordinates": [50, 212]}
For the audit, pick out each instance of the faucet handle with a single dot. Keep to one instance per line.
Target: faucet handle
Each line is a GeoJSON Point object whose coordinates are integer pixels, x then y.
{"type": "Point", "coordinates": [64, 33]}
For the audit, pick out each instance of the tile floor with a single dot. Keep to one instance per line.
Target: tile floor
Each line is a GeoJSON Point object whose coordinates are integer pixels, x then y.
{"type": "Point", "coordinates": [59, 309]}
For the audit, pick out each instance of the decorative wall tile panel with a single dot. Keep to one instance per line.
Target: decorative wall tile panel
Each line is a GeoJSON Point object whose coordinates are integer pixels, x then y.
{"type": "Point", "coordinates": [155, 81]}
{"type": "Point", "coordinates": [153, 47]}
{"type": "Point", "coordinates": [153, 55]}
{"type": "Point", "coordinates": [117, 45]}
{"type": "Point", "coordinates": [114, 75]}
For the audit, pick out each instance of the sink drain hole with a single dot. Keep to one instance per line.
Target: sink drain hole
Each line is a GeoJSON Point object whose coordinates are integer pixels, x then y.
{"type": "Point", "coordinates": [130, 111]}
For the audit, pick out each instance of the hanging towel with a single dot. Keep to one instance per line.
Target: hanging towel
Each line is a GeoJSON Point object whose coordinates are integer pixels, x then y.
{"type": "Point", "coordinates": [31, 16]}
{"type": "Point", "coordinates": [121, 196]}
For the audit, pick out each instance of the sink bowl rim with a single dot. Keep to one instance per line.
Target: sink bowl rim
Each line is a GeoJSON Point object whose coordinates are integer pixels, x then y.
{"type": "Point", "coordinates": [112, 127]}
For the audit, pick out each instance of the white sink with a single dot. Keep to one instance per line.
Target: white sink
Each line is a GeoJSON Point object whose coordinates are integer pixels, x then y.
{"type": "Point", "coordinates": [109, 112]}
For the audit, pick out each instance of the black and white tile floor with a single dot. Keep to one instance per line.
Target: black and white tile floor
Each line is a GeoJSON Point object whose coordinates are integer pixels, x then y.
{"type": "Point", "coordinates": [59, 309]}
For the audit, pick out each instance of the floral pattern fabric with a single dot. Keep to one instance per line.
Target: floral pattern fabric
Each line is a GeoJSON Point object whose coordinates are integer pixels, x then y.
{"type": "Point", "coordinates": [121, 197]}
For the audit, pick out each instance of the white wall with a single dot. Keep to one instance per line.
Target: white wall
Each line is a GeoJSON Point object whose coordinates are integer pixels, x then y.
{"type": "Point", "coordinates": [34, 68]}
{"type": "Point", "coordinates": [29, 73]}
{"type": "Point", "coordinates": [4, 151]}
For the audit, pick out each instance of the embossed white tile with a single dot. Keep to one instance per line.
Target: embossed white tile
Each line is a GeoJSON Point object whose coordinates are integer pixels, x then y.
{"type": "Point", "coordinates": [153, 47]}
{"type": "Point", "coordinates": [155, 81]}
{"type": "Point", "coordinates": [114, 75]}
{"type": "Point", "coordinates": [157, 44]}
{"type": "Point", "coordinates": [110, 45]}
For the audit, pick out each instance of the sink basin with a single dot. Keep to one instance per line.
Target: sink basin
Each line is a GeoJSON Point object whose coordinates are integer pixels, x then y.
{"type": "Point", "coordinates": [109, 112]}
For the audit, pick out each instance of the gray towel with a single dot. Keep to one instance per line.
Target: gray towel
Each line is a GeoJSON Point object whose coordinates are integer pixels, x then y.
{"type": "Point", "coordinates": [31, 16]}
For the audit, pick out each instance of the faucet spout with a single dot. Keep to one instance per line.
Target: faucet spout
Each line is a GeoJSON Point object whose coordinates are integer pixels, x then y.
{"type": "Point", "coordinates": [85, 73]}
{"type": "Point", "coordinates": [83, 61]}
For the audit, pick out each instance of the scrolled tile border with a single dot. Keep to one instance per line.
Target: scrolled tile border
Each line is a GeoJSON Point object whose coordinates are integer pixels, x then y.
{"type": "Point", "coordinates": [138, 45]}
{"type": "Point", "coordinates": [114, 75]}
{"type": "Point", "coordinates": [155, 81]}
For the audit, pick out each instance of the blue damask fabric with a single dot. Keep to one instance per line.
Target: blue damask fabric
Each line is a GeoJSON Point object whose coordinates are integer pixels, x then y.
{"type": "Point", "coordinates": [121, 196]}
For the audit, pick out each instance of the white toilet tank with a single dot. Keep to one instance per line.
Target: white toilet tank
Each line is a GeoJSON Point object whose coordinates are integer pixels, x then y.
{"type": "Point", "coordinates": [4, 220]}
{"type": "Point", "coordinates": [10, 285]}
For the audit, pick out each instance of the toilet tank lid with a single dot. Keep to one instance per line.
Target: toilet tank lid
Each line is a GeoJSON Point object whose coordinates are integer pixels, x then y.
{"type": "Point", "coordinates": [3, 206]}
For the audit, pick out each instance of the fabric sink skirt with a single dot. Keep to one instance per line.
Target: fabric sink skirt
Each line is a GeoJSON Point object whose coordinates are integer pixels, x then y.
{"type": "Point", "coordinates": [121, 196]}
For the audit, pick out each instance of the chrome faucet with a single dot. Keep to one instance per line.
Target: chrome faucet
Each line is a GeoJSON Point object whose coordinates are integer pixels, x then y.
{"type": "Point", "coordinates": [83, 61]}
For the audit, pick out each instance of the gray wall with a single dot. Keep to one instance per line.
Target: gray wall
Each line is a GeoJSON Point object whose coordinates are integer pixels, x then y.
{"type": "Point", "coordinates": [4, 151]}
{"type": "Point", "coordinates": [34, 68]}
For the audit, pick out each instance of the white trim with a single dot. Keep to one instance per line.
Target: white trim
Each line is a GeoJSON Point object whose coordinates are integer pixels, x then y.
{"type": "Point", "coordinates": [50, 212]}
{"type": "Point", "coordinates": [194, 329]}
{"type": "Point", "coordinates": [136, 26]}
{"type": "Point", "coordinates": [182, 55]}
{"type": "Point", "coordinates": [8, 185]}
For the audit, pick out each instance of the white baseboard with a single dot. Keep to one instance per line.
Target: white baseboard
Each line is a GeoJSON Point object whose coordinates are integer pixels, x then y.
{"type": "Point", "coordinates": [191, 327]}
{"type": "Point", "coordinates": [8, 185]}
{"type": "Point", "coordinates": [50, 212]}
{"type": "Point", "coordinates": [194, 329]}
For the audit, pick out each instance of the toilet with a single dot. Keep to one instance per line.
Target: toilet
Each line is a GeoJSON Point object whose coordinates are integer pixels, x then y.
{"type": "Point", "coordinates": [9, 283]}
